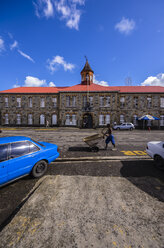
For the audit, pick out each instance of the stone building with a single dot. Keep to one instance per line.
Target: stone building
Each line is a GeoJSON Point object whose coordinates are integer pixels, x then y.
{"type": "Point", "coordinates": [83, 105]}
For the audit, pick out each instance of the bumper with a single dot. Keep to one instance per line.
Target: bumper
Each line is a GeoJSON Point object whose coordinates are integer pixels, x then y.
{"type": "Point", "coordinates": [51, 159]}
{"type": "Point", "coordinates": [151, 154]}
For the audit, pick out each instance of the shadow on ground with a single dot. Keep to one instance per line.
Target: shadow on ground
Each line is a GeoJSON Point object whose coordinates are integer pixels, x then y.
{"type": "Point", "coordinates": [141, 173]}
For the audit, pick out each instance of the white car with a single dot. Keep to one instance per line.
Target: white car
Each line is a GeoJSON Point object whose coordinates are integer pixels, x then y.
{"type": "Point", "coordinates": [155, 149]}
{"type": "Point", "coordinates": [124, 126]}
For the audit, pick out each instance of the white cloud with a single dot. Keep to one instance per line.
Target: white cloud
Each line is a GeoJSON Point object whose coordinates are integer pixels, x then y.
{"type": "Point", "coordinates": [25, 55]}
{"type": "Point", "coordinates": [57, 61]}
{"type": "Point", "coordinates": [14, 45]}
{"type": "Point", "coordinates": [66, 9]}
{"type": "Point", "coordinates": [69, 12]}
{"type": "Point", "coordinates": [51, 84]}
{"type": "Point", "coordinates": [125, 26]}
{"type": "Point", "coordinates": [35, 82]}
{"type": "Point", "coordinates": [154, 81]}
{"type": "Point", "coordinates": [16, 85]}
{"type": "Point", "coordinates": [102, 83]}
{"type": "Point", "coordinates": [44, 8]}
{"type": "Point", "coordinates": [2, 45]}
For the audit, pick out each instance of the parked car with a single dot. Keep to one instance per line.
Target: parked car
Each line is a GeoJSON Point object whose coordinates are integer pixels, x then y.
{"type": "Point", "coordinates": [124, 126]}
{"type": "Point", "coordinates": [155, 149]}
{"type": "Point", "coordinates": [21, 156]}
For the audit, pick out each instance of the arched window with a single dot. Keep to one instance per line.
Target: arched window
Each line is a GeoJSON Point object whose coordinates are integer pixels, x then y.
{"type": "Point", "coordinates": [54, 119]}
{"type": "Point", "coordinates": [42, 119]}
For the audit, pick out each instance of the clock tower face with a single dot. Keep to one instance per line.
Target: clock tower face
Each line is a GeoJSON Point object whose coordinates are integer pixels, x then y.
{"type": "Point", "coordinates": [87, 74]}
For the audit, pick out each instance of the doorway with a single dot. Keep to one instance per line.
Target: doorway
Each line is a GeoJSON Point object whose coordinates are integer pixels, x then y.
{"type": "Point", "coordinates": [87, 121]}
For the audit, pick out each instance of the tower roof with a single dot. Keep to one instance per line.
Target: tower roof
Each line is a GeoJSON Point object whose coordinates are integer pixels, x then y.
{"type": "Point", "coordinates": [87, 67]}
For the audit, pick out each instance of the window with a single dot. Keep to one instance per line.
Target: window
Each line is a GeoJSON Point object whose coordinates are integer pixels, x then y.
{"type": "Point", "coordinates": [18, 102]}
{"type": "Point", "coordinates": [73, 101]}
{"type": "Point", "coordinates": [18, 119]}
{"type": "Point", "coordinates": [122, 101]}
{"type": "Point", "coordinates": [90, 77]}
{"type": "Point", "coordinates": [162, 120]}
{"type": "Point", "coordinates": [3, 152]}
{"type": "Point", "coordinates": [101, 120]}
{"type": "Point", "coordinates": [107, 101]}
{"type": "Point", "coordinates": [68, 101]}
{"type": "Point", "coordinates": [33, 148]}
{"type": "Point", "coordinates": [30, 102]}
{"type": "Point", "coordinates": [74, 120]}
{"type": "Point", "coordinates": [162, 102]}
{"type": "Point", "coordinates": [101, 101]}
{"type": "Point", "coordinates": [42, 102]}
{"type": "Point", "coordinates": [6, 102]}
{"type": "Point", "coordinates": [67, 122]}
{"type": "Point", "coordinates": [54, 119]}
{"type": "Point", "coordinates": [30, 119]}
{"type": "Point", "coordinates": [42, 119]}
{"type": "Point", "coordinates": [135, 121]}
{"type": "Point", "coordinates": [91, 100]}
{"type": "Point", "coordinates": [107, 119]}
{"type": "Point", "coordinates": [121, 118]}
{"type": "Point", "coordinates": [19, 149]}
{"type": "Point", "coordinates": [149, 102]}
{"type": "Point", "coordinates": [135, 102]}
{"type": "Point", "coordinates": [54, 100]}
{"type": "Point", "coordinates": [6, 119]}
{"type": "Point", "coordinates": [84, 101]}
{"type": "Point", "coordinates": [87, 77]}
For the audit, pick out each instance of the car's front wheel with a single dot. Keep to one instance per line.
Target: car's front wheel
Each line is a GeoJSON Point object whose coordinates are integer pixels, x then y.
{"type": "Point", "coordinates": [159, 162]}
{"type": "Point", "coordinates": [118, 128]}
{"type": "Point", "coordinates": [39, 169]}
{"type": "Point", "coordinates": [131, 129]}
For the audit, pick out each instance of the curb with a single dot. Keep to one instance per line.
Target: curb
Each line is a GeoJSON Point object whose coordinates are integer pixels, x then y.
{"type": "Point", "coordinates": [102, 158]}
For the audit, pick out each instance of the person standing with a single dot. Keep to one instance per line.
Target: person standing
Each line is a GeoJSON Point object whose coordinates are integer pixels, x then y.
{"type": "Point", "coordinates": [110, 137]}
{"type": "Point", "coordinates": [47, 123]}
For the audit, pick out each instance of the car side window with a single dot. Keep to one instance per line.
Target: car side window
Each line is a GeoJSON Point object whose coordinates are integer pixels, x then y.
{"type": "Point", "coordinates": [19, 149]}
{"type": "Point", "coordinates": [33, 148]}
{"type": "Point", "coordinates": [3, 152]}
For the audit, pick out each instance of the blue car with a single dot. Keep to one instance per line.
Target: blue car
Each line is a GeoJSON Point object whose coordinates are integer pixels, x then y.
{"type": "Point", "coordinates": [21, 156]}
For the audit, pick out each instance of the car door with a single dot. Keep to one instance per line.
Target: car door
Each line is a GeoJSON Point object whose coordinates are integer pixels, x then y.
{"type": "Point", "coordinates": [21, 159]}
{"type": "Point", "coordinates": [3, 163]}
{"type": "Point", "coordinates": [123, 126]}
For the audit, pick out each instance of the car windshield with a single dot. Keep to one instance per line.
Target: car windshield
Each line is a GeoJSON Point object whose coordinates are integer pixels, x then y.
{"type": "Point", "coordinates": [38, 143]}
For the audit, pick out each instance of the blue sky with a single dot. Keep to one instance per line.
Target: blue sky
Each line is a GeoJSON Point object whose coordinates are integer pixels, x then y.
{"type": "Point", "coordinates": [43, 42]}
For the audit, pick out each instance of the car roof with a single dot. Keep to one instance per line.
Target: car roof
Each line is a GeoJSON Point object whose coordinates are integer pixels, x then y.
{"type": "Point", "coordinates": [9, 139]}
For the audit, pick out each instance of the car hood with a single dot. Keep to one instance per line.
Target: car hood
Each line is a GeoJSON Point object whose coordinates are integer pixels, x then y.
{"type": "Point", "coordinates": [155, 142]}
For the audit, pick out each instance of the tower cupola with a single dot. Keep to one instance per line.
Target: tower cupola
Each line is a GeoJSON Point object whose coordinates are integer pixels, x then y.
{"type": "Point", "coordinates": [87, 74]}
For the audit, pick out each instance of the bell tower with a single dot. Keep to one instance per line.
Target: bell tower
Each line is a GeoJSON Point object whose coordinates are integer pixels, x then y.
{"type": "Point", "coordinates": [87, 74]}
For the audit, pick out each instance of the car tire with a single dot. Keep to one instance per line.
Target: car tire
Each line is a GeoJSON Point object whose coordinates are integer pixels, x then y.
{"type": "Point", "coordinates": [131, 129]}
{"type": "Point", "coordinates": [39, 169]}
{"type": "Point", "coordinates": [159, 162]}
{"type": "Point", "coordinates": [118, 128]}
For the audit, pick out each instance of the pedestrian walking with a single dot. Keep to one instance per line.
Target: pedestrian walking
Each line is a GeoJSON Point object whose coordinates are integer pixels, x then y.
{"type": "Point", "coordinates": [109, 137]}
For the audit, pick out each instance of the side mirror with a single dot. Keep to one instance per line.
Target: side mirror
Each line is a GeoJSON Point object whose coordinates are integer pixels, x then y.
{"type": "Point", "coordinates": [163, 145]}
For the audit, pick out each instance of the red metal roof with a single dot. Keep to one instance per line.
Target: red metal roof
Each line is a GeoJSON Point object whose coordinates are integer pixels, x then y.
{"type": "Point", "coordinates": [31, 90]}
{"type": "Point", "coordinates": [84, 88]}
